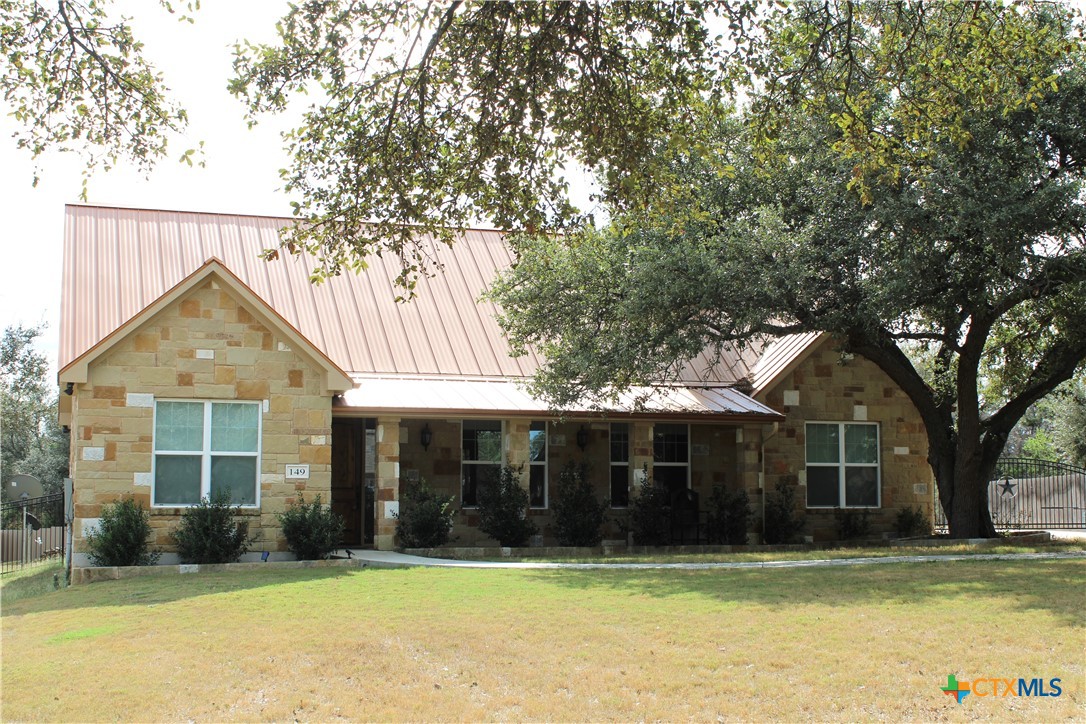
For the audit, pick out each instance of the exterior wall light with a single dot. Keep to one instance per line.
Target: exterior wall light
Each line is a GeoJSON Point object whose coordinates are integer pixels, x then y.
{"type": "Point", "coordinates": [582, 438]}
{"type": "Point", "coordinates": [426, 437]}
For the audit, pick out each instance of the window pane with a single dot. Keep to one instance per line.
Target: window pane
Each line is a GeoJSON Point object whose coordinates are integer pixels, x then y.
{"type": "Point", "coordinates": [620, 442]}
{"type": "Point", "coordinates": [861, 444]}
{"type": "Point", "coordinates": [482, 440]}
{"type": "Point", "coordinates": [475, 476]}
{"type": "Point", "coordinates": [670, 444]}
{"type": "Point", "coordinates": [823, 444]}
{"type": "Point", "coordinates": [620, 486]}
{"type": "Point", "coordinates": [861, 486]}
{"type": "Point", "coordinates": [537, 486]}
{"type": "Point", "coordinates": [672, 477]}
{"type": "Point", "coordinates": [236, 476]}
{"type": "Point", "coordinates": [234, 427]}
{"type": "Point", "coordinates": [179, 426]}
{"type": "Point", "coordinates": [823, 487]}
{"type": "Point", "coordinates": [537, 442]}
{"type": "Point", "coordinates": [177, 479]}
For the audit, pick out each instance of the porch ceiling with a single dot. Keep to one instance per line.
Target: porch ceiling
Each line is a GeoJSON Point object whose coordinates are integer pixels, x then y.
{"type": "Point", "coordinates": [433, 396]}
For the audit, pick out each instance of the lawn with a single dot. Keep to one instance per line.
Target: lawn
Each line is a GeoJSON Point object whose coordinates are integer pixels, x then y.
{"type": "Point", "coordinates": [823, 554]}
{"type": "Point", "coordinates": [874, 642]}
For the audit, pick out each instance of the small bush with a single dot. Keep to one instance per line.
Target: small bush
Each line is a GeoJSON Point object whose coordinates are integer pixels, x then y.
{"type": "Point", "coordinates": [781, 524]}
{"type": "Point", "coordinates": [425, 519]}
{"type": "Point", "coordinates": [852, 524]}
{"type": "Point", "coordinates": [728, 517]}
{"type": "Point", "coordinates": [912, 522]}
{"type": "Point", "coordinates": [312, 530]}
{"type": "Point", "coordinates": [121, 537]}
{"type": "Point", "coordinates": [650, 515]}
{"type": "Point", "coordinates": [208, 532]}
{"type": "Point", "coordinates": [578, 513]}
{"type": "Point", "coordinates": [503, 506]}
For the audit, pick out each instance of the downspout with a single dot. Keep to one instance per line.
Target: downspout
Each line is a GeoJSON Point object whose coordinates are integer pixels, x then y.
{"type": "Point", "coordinates": [775, 428]}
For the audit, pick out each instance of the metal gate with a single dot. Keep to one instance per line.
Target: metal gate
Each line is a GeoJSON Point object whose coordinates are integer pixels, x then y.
{"type": "Point", "coordinates": [1026, 493]}
{"type": "Point", "coordinates": [31, 531]}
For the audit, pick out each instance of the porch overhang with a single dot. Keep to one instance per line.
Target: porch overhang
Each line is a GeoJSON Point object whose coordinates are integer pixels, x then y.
{"type": "Point", "coordinates": [416, 396]}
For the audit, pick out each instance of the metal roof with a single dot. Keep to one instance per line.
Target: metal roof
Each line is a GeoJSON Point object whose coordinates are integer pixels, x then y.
{"type": "Point", "coordinates": [428, 396]}
{"type": "Point", "coordinates": [781, 357]}
{"type": "Point", "coordinates": [117, 261]}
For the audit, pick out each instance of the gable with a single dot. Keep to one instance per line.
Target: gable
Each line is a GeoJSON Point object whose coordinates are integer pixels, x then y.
{"type": "Point", "coordinates": [233, 311]}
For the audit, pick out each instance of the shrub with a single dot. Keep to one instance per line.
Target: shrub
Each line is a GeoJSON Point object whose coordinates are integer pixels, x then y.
{"type": "Point", "coordinates": [912, 522]}
{"type": "Point", "coordinates": [852, 524]}
{"type": "Point", "coordinates": [503, 506]}
{"type": "Point", "coordinates": [728, 516]}
{"type": "Point", "coordinates": [781, 523]}
{"type": "Point", "coordinates": [121, 537]}
{"type": "Point", "coordinates": [578, 513]}
{"type": "Point", "coordinates": [650, 518]}
{"type": "Point", "coordinates": [425, 519]}
{"type": "Point", "coordinates": [208, 532]}
{"type": "Point", "coordinates": [312, 530]}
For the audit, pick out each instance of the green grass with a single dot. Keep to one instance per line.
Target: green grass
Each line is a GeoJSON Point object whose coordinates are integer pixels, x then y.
{"type": "Point", "coordinates": [816, 555]}
{"type": "Point", "coordinates": [34, 580]}
{"type": "Point", "coordinates": [866, 643]}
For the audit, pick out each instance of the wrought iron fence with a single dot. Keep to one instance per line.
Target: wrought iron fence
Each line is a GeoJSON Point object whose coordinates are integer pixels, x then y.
{"type": "Point", "coordinates": [1026, 493]}
{"type": "Point", "coordinates": [31, 531]}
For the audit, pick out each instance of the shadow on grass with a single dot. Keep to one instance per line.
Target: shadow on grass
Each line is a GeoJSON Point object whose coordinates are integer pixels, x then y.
{"type": "Point", "coordinates": [153, 590]}
{"type": "Point", "coordinates": [1058, 587]}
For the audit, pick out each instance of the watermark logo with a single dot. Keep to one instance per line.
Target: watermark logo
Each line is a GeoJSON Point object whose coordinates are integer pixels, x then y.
{"type": "Point", "coordinates": [998, 686]}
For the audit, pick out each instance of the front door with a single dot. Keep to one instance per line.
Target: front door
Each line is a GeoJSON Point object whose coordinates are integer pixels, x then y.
{"type": "Point", "coordinates": [348, 469]}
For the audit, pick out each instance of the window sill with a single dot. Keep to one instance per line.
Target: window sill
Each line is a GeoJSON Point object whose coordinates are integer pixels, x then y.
{"type": "Point", "coordinates": [165, 510]}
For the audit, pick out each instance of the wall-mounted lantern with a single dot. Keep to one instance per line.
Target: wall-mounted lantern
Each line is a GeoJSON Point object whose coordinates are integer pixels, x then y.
{"type": "Point", "coordinates": [582, 438]}
{"type": "Point", "coordinates": [426, 437]}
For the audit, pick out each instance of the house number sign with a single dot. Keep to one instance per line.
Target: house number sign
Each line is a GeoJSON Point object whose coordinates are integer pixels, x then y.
{"type": "Point", "coordinates": [297, 472]}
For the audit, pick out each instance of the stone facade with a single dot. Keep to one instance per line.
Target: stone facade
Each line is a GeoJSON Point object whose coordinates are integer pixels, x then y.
{"type": "Point", "coordinates": [206, 346]}
{"type": "Point", "coordinates": [827, 387]}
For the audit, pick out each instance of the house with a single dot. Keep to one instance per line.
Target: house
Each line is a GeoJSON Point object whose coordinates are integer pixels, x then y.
{"type": "Point", "coordinates": [190, 365]}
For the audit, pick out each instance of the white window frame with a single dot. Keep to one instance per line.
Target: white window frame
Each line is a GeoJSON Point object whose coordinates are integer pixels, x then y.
{"type": "Point", "coordinates": [206, 453]}
{"type": "Point", "coordinates": [544, 463]}
{"type": "Point", "coordinates": [656, 464]}
{"type": "Point", "coordinates": [619, 464]}
{"type": "Point", "coordinates": [463, 462]}
{"type": "Point", "coordinates": [842, 465]}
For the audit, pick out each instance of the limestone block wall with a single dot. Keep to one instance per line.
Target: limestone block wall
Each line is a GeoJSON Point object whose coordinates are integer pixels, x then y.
{"type": "Point", "coordinates": [204, 347]}
{"type": "Point", "coordinates": [827, 388]}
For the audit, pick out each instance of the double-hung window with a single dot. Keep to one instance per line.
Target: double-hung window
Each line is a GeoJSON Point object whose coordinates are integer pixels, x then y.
{"type": "Point", "coordinates": [203, 449]}
{"type": "Point", "coordinates": [671, 456]}
{"type": "Point", "coordinates": [843, 465]}
{"type": "Point", "coordinates": [620, 464]}
{"type": "Point", "coordinates": [481, 459]}
{"type": "Point", "coordinates": [537, 465]}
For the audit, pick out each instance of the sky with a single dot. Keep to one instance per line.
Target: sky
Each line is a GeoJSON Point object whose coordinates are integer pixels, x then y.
{"type": "Point", "coordinates": [242, 166]}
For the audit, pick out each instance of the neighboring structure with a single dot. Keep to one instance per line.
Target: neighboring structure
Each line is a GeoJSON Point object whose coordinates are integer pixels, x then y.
{"type": "Point", "coordinates": [191, 365]}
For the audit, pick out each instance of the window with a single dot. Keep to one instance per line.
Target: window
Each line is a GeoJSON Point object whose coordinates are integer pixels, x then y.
{"type": "Point", "coordinates": [620, 464]}
{"type": "Point", "coordinates": [842, 465]}
{"type": "Point", "coordinates": [481, 460]}
{"type": "Point", "coordinates": [671, 456]}
{"type": "Point", "coordinates": [204, 448]}
{"type": "Point", "coordinates": [537, 465]}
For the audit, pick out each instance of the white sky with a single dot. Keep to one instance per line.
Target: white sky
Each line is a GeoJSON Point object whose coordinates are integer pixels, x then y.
{"type": "Point", "coordinates": [242, 165]}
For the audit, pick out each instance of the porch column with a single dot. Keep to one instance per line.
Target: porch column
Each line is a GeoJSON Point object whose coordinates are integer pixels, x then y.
{"type": "Point", "coordinates": [388, 482]}
{"type": "Point", "coordinates": [640, 453]}
{"type": "Point", "coordinates": [748, 447]}
{"type": "Point", "coordinates": [516, 447]}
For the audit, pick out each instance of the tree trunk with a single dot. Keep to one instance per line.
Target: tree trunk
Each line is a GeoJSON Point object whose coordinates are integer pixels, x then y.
{"type": "Point", "coordinates": [962, 480]}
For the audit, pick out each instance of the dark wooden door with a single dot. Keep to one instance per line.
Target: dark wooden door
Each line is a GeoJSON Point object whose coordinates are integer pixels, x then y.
{"type": "Point", "coordinates": [348, 468]}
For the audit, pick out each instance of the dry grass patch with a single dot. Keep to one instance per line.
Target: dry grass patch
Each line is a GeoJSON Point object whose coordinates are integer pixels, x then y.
{"type": "Point", "coordinates": [863, 643]}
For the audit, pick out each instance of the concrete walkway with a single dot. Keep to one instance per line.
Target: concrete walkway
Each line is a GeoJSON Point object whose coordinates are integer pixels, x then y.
{"type": "Point", "coordinates": [391, 559]}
